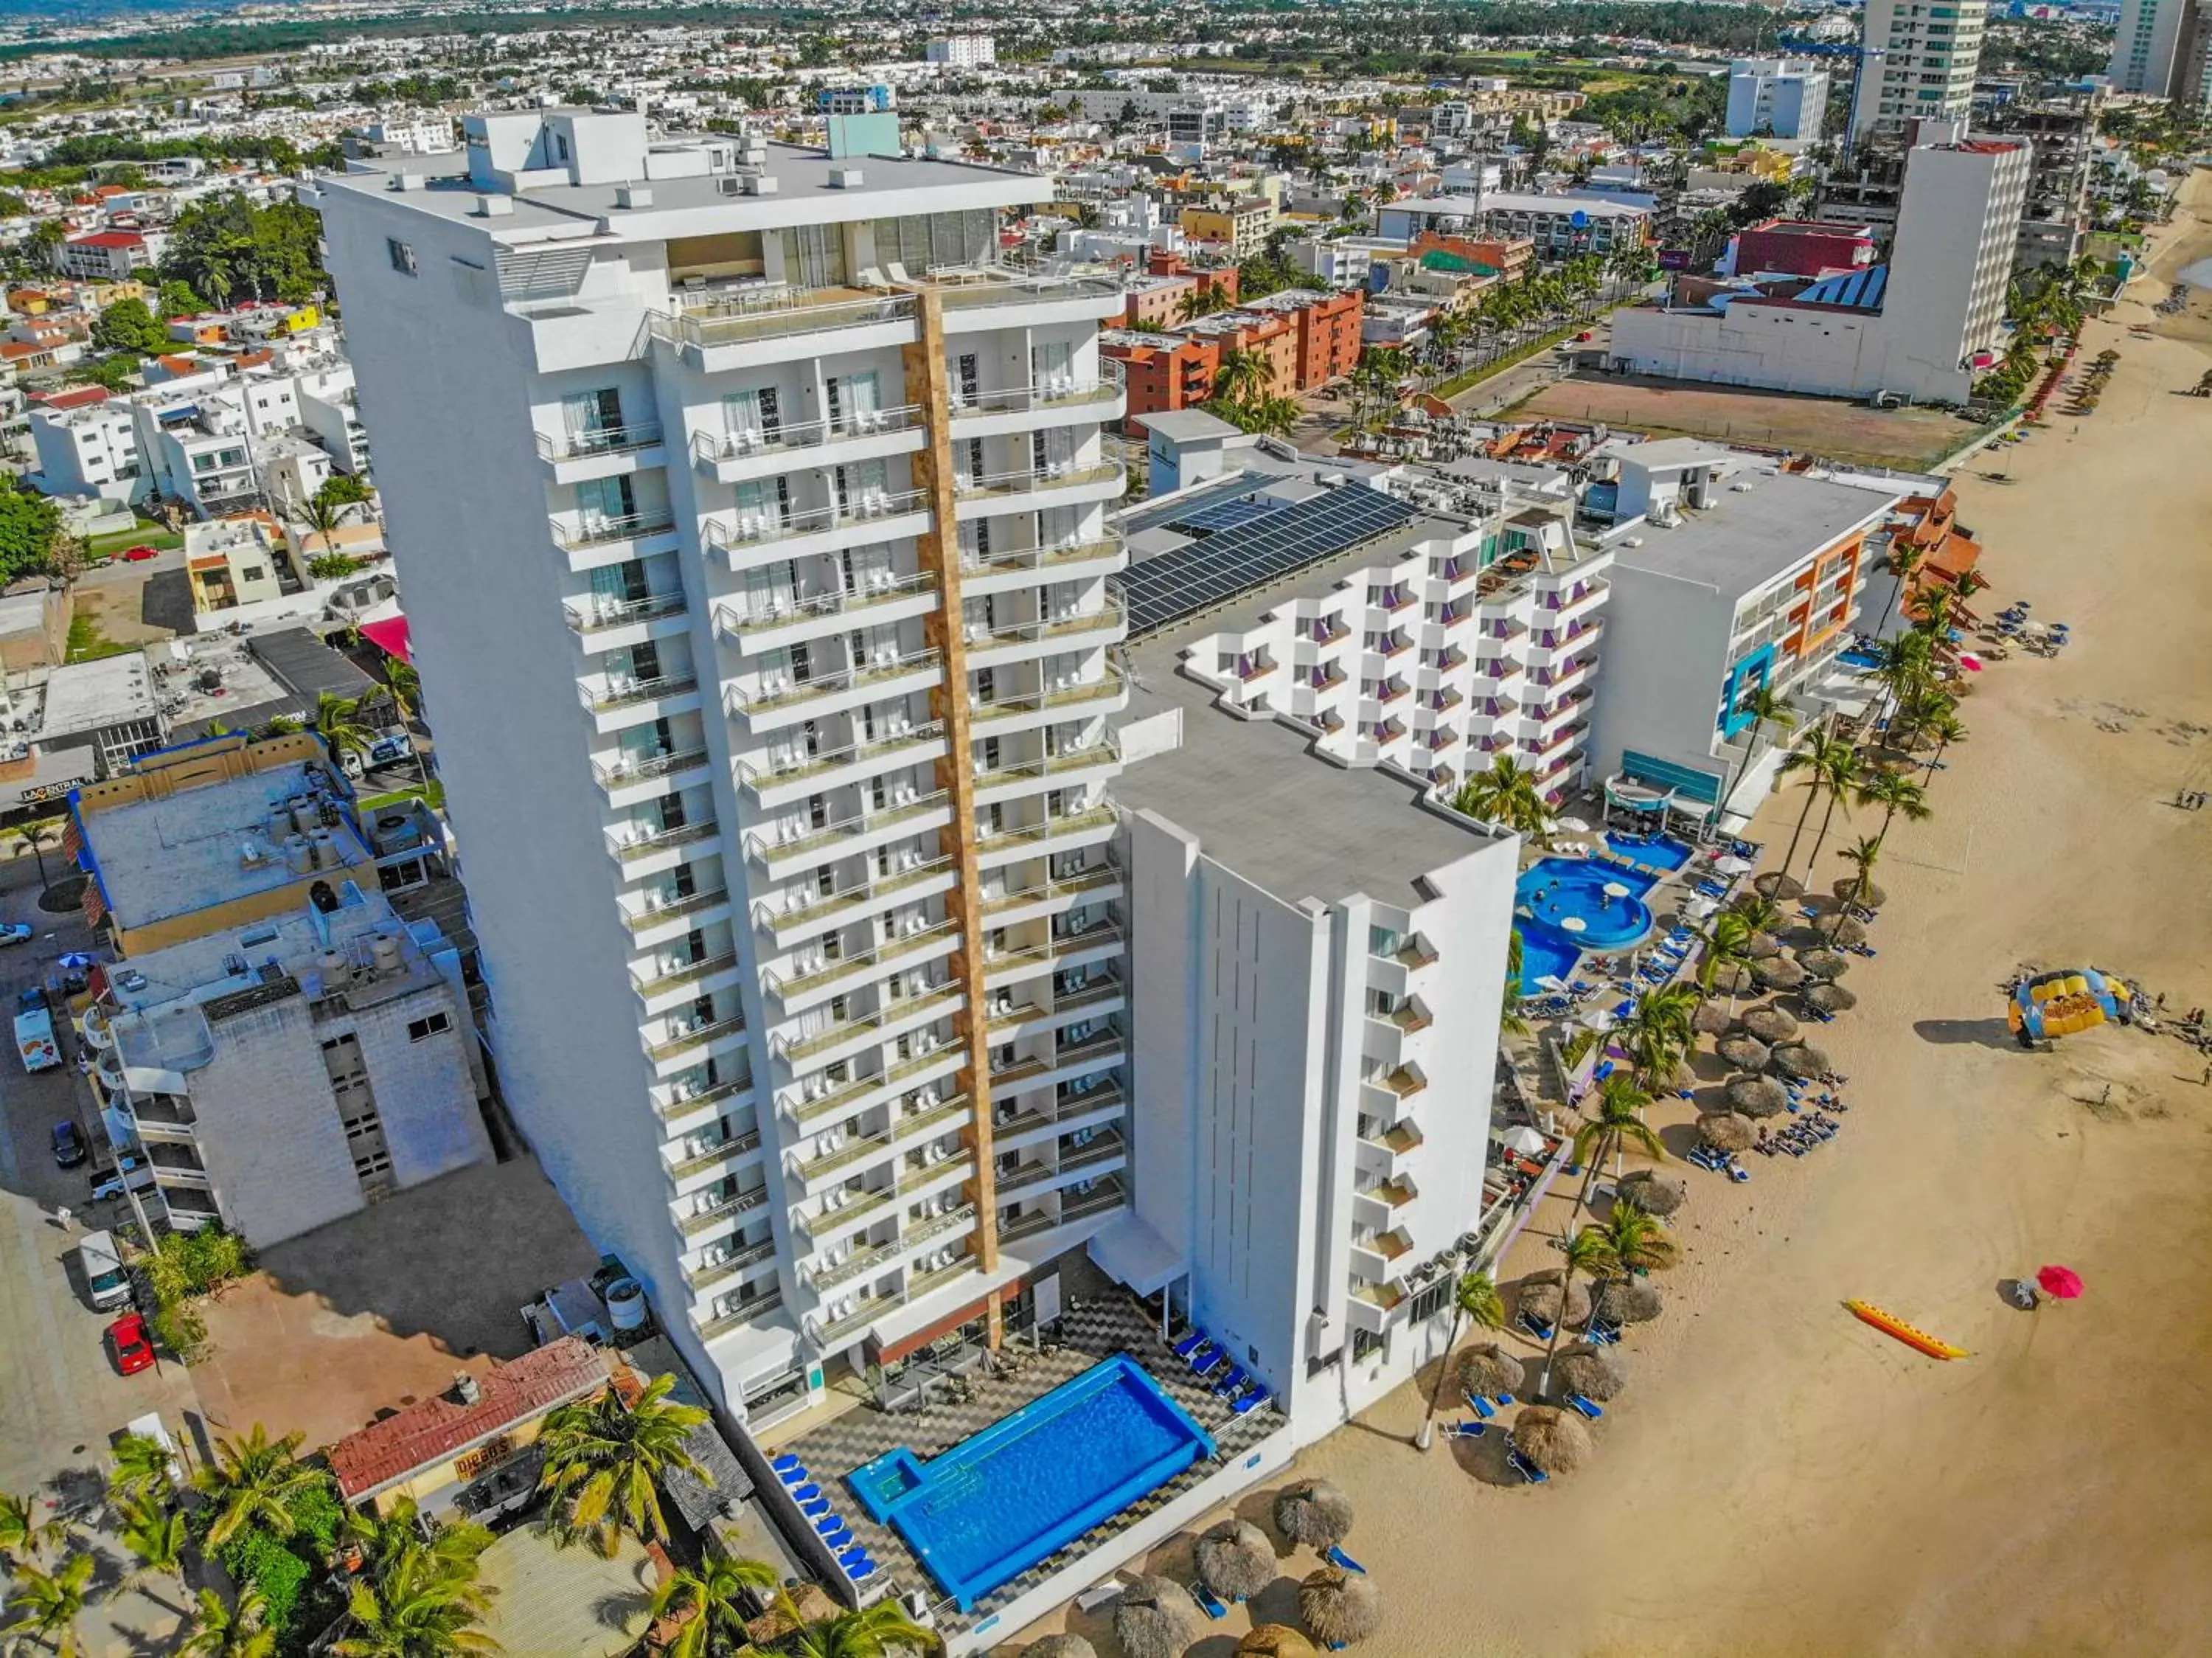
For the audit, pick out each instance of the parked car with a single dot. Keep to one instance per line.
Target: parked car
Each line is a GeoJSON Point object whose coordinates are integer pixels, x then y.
{"type": "Point", "coordinates": [390, 749]}
{"type": "Point", "coordinates": [107, 1280]}
{"type": "Point", "coordinates": [132, 1342]}
{"type": "Point", "coordinates": [140, 554]}
{"type": "Point", "coordinates": [14, 932]}
{"type": "Point", "coordinates": [69, 1145]}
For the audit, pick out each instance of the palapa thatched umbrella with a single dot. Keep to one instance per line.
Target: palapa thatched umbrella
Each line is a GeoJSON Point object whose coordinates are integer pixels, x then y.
{"type": "Point", "coordinates": [1824, 964]}
{"type": "Point", "coordinates": [1840, 929]}
{"type": "Point", "coordinates": [1539, 1299]}
{"type": "Point", "coordinates": [1655, 1193]}
{"type": "Point", "coordinates": [1712, 1018]}
{"type": "Point", "coordinates": [1236, 1560]}
{"type": "Point", "coordinates": [1761, 947]}
{"type": "Point", "coordinates": [808, 1604]}
{"type": "Point", "coordinates": [1487, 1368]}
{"type": "Point", "coordinates": [1801, 1059]}
{"type": "Point", "coordinates": [1770, 1025]}
{"type": "Point", "coordinates": [1555, 1441]}
{"type": "Point", "coordinates": [1756, 1096]}
{"type": "Point", "coordinates": [1340, 1608]}
{"type": "Point", "coordinates": [1154, 1618]}
{"type": "Point", "coordinates": [1314, 1512]}
{"type": "Point", "coordinates": [1779, 974]}
{"type": "Point", "coordinates": [1828, 998]}
{"type": "Point", "coordinates": [1276, 1641]}
{"type": "Point", "coordinates": [1846, 890]}
{"type": "Point", "coordinates": [1598, 1373]}
{"type": "Point", "coordinates": [1724, 1131]}
{"type": "Point", "coordinates": [1777, 886]}
{"type": "Point", "coordinates": [1744, 1052]}
{"type": "Point", "coordinates": [1628, 1301]}
{"type": "Point", "coordinates": [1732, 979]}
{"type": "Point", "coordinates": [1060, 1646]}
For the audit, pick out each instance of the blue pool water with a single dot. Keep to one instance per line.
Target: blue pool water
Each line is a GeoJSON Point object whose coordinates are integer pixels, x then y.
{"type": "Point", "coordinates": [1661, 852]}
{"type": "Point", "coordinates": [993, 1505]}
{"type": "Point", "coordinates": [1554, 890]}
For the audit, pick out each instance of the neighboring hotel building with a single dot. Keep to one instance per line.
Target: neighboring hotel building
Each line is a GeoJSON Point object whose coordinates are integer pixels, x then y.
{"type": "Point", "coordinates": [1915, 62]}
{"type": "Point", "coordinates": [963, 50]}
{"type": "Point", "coordinates": [2164, 47]}
{"type": "Point", "coordinates": [284, 1048]}
{"type": "Point", "coordinates": [1728, 576]}
{"type": "Point", "coordinates": [754, 532]}
{"type": "Point", "coordinates": [1779, 97]}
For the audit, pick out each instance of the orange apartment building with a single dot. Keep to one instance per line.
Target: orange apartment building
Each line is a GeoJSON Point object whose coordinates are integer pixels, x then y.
{"type": "Point", "coordinates": [1307, 338]}
{"type": "Point", "coordinates": [1508, 258]}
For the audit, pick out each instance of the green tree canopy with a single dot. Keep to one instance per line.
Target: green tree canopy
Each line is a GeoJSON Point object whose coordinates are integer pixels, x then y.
{"type": "Point", "coordinates": [128, 325]}
{"type": "Point", "coordinates": [28, 525]}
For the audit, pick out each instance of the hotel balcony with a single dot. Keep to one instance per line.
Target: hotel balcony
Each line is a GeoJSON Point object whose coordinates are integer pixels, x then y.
{"type": "Point", "coordinates": [1076, 629]}
{"type": "Point", "coordinates": [706, 1274]}
{"type": "Point", "coordinates": [1044, 898]}
{"type": "Point", "coordinates": [688, 1160]}
{"type": "Point", "coordinates": [694, 1216]}
{"type": "Point", "coordinates": [574, 457]}
{"type": "Point", "coordinates": [1028, 408]}
{"type": "Point", "coordinates": [794, 991]}
{"type": "Point", "coordinates": [845, 1038]}
{"type": "Point", "coordinates": [985, 300]}
{"type": "Point", "coordinates": [748, 330]}
{"type": "Point", "coordinates": [686, 1046]}
{"type": "Point", "coordinates": [1563, 608]}
{"type": "Point", "coordinates": [803, 849]}
{"type": "Point", "coordinates": [1382, 1257]}
{"type": "Point", "coordinates": [164, 1116]}
{"type": "Point", "coordinates": [802, 913]}
{"type": "Point", "coordinates": [786, 701]}
{"type": "Point", "coordinates": [739, 1317]}
{"type": "Point", "coordinates": [1371, 1306]}
{"type": "Point", "coordinates": [650, 916]}
{"type": "Point", "coordinates": [628, 782]}
{"type": "Point", "coordinates": [757, 628]}
{"type": "Point", "coordinates": [1019, 569]}
{"type": "Point", "coordinates": [643, 850]}
{"type": "Point", "coordinates": [1017, 777]}
{"type": "Point", "coordinates": [1060, 834]}
{"type": "Point", "coordinates": [1547, 649]}
{"type": "Point", "coordinates": [1377, 1209]}
{"type": "Point", "coordinates": [1393, 600]}
{"type": "Point", "coordinates": [678, 1112]}
{"type": "Point", "coordinates": [850, 1152]}
{"type": "Point", "coordinates": [1047, 1116]}
{"type": "Point", "coordinates": [1032, 489]}
{"type": "Point", "coordinates": [1009, 1018]}
{"type": "Point", "coordinates": [614, 623]}
{"type": "Point", "coordinates": [867, 1206]}
{"type": "Point", "coordinates": [619, 703]}
{"type": "Point", "coordinates": [762, 538]}
{"type": "Point", "coordinates": [659, 985]}
{"type": "Point", "coordinates": [934, 1230]}
{"type": "Point", "coordinates": [1025, 710]}
{"type": "Point", "coordinates": [1101, 942]}
{"type": "Point", "coordinates": [586, 545]}
{"type": "Point", "coordinates": [737, 457]}
{"type": "Point", "coordinates": [778, 785]}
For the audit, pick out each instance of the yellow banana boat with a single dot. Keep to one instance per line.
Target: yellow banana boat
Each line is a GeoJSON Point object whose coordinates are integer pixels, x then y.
{"type": "Point", "coordinates": [1890, 1325]}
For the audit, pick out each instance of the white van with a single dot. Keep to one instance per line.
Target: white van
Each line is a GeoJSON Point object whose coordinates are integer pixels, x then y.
{"type": "Point", "coordinates": [104, 1274]}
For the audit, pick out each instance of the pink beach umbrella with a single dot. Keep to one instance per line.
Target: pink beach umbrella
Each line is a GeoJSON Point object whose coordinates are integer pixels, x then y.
{"type": "Point", "coordinates": [1971, 662]}
{"type": "Point", "coordinates": [2064, 1282]}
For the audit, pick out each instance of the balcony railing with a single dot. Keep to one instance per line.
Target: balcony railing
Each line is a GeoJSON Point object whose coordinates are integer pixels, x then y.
{"type": "Point", "coordinates": [742, 1203]}
{"type": "Point", "coordinates": [606, 440]}
{"type": "Point", "coordinates": [933, 1001]}
{"type": "Point", "coordinates": [859, 1147]}
{"type": "Point", "coordinates": [847, 898]}
{"type": "Point", "coordinates": [697, 1036]}
{"type": "Point", "coordinates": [605, 613]}
{"type": "Point", "coordinates": [722, 1323]}
{"type": "Point", "coordinates": [705, 1097]}
{"type": "Point", "coordinates": [740, 625]}
{"type": "Point", "coordinates": [636, 841]}
{"type": "Point", "coordinates": [709, 448]}
{"type": "Point", "coordinates": [737, 1145]}
{"type": "Point", "coordinates": [760, 780]}
{"type": "Point", "coordinates": [819, 841]}
{"type": "Point", "coordinates": [629, 693]}
{"type": "Point", "coordinates": [1021, 399]}
{"type": "Point", "coordinates": [653, 981]}
{"type": "Point", "coordinates": [624, 772]}
{"type": "Point", "coordinates": [759, 529]}
{"type": "Point", "coordinates": [675, 909]}
{"type": "Point", "coordinates": [1107, 616]}
{"type": "Point", "coordinates": [1038, 892]}
{"type": "Point", "coordinates": [706, 1274]}
{"type": "Point", "coordinates": [797, 693]}
{"type": "Point", "coordinates": [1107, 751]}
{"type": "Point", "coordinates": [780, 315]}
{"type": "Point", "coordinates": [1084, 691]}
{"type": "Point", "coordinates": [1027, 480]}
{"type": "Point", "coordinates": [1074, 552]}
{"type": "Point", "coordinates": [604, 532]}
{"type": "Point", "coordinates": [882, 957]}
{"type": "Point", "coordinates": [1075, 823]}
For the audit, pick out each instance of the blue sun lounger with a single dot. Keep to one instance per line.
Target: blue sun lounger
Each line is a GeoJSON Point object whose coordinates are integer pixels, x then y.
{"type": "Point", "coordinates": [855, 1555]}
{"type": "Point", "coordinates": [796, 1474]}
{"type": "Point", "coordinates": [1189, 1345]}
{"type": "Point", "coordinates": [1480, 1407]}
{"type": "Point", "coordinates": [1205, 1358]}
{"type": "Point", "coordinates": [1251, 1401]}
{"type": "Point", "coordinates": [814, 1506]}
{"type": "Point", "coordinates": [830, 1522]}
{"type": "Point", "coordinates": [840, 1538]}
{"type": "Point", "coordinates": [1466, 1430]}
{"type": "Point", "coordinates": [788, 1461]}
{"type": "Point", "coordinates": [1536, 1327]}
{"type": "Point", "coordinates": [1588, 1406]}
{"type": "Point", "coordinates": [805, 1493]}
{"type": "Point", "coordinates": [1505, 1399]}
{"type": "Point", "coordinates": [1337, 1556]}
{"type": "Point", "coordinates": [1528, 1470]}
{"type": "Point", "coordinates": [1230, 1385]}
{"type": "Point", "coordinates": [1207, 1600]}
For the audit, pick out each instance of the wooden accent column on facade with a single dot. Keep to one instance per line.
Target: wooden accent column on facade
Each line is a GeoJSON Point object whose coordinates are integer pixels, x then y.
{"type": "Point", "coordinates": [928, 386]}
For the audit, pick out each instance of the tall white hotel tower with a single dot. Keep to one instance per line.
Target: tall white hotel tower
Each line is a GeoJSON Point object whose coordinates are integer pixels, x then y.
{"type": "Point", "coordinates": [753, 531]}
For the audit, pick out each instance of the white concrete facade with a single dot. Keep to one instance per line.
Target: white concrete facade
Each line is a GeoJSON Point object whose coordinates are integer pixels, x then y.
{"type": "Point", "coordinates": [1781, 97]}
{"type": "Point", "coordinates": [1916, 62]}
{"type": "Point", "coordinates": [2164, 48]}
{"type": "Point", "coordinates": [652, 457]}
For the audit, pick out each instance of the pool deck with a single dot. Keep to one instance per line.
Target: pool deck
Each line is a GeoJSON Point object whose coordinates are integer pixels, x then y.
{"type": "Point", "coordinates": [1109, 1325]}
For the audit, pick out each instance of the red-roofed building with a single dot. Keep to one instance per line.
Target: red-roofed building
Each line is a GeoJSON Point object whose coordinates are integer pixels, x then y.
{"type": "Point", "coordinates": [107, 254]}
{"type": "Point", "coordinates": [1801, 247]}
{"type": "Point", "coordinates": [467, 1433]}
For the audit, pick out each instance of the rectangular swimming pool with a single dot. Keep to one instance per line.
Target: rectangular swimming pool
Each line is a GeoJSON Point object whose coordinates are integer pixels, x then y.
{"type": "Point", "coordinates": [1662, 853]}
{"type": "Point", "coordinates": [993, 1506]}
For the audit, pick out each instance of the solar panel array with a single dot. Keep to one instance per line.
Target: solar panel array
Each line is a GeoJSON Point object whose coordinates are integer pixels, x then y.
{"type": "Point", "coordinates": [1189, 579]}
{"type": "Point", "coordinates": [1224, 516]}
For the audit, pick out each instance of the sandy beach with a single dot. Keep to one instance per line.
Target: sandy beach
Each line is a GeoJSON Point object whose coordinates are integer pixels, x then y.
{"type": "Point", "coordinates": [1779, 1479]}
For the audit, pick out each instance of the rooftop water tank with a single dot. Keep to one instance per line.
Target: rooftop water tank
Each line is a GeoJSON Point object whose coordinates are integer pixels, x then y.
{"type": "Point", "coordinates": [626, 1306]}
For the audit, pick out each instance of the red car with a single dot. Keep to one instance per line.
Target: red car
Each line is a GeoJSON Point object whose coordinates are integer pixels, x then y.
{"type": "Point", "coordinates": [133, 1344]}
{"type": "Point", "coordinates": [139, 555]}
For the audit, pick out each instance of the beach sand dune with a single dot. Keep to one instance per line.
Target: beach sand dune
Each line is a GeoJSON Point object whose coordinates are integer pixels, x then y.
{"type": "Point", "coordinates": [1781, 1479]}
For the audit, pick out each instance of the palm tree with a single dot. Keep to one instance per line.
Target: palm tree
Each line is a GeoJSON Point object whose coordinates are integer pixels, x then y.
{"type": "Point", "coordinates": [1898, 794]}
{"type": "Point", "coordinates": [1619, 1104]}
{"type": "Point", "coordinates": [385, 1539]}
{"type": "Point", "coordinates": [251, 1482]}
{"type": "Point", "coordinates": [48, 1604]}
{"type": "Point", "coordinates": [337, 720]}
{"type": "Point", "coordinates": [1903, 560]}
{"type": "Point", "coordinates": [711, 1601]}
{"type": "Point", "coordinates": [1635, 1241]}
{"type": "Point", "coordinates": [1823, 758]}
{"type": "Point", "coordinates": [1475, 1300]}
{"type": "Point", "coordinates": [143, 1464]}
{"type": "Point", "coordinates": [156, 1532]}
{"type": "Point", "coordinates": [220, 1630]}
{"type": "Point", "coordinates": [1243, 375]}
{"type": "Point", "coordinates": [22, 1533]}
{"type": "Point", "coordinates": [1586, 1252]}
{"type": "Point", "coordinates": [1842, 777]}
{"type": "Point", "coordinates": [1759, 911]}
{"type": "Point", "coordinates": [1505, 794]}
{"type": "Point", "coordinates": [1946, 728]}
{"type": "Point", "coordinates": [319, 516]}
{"type": "Point", "coordinates": [883, 1630]}
{"type": "Point", "coordinates": [604, 1460]}
{"type": "Point", "coordinates": [1511, 1022]}
{"type": "Point", "coordinates": [1658, 1034]}
{"type": "Point", "coordinates": [1201, 302]}
{"type": "Point", "coordinates": [1727, 945]}
{"type": "Point", "coordinates": [417, 1609]}
{"type": "Point", "coordinates": [1901, 665]}
{"type": "Point", "coordinates": [34, 839]}
{"type": "Point", "coordinates": [1767, 707]}
{"type": "Point", "coordinates": [1861, 856]}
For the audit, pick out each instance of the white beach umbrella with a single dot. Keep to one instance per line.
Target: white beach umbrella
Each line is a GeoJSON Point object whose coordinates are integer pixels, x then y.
{"type": "Point", "coordinates": [1524, 1139]}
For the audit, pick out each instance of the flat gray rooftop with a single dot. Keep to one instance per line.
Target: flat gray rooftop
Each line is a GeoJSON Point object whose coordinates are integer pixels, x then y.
{"type": "Point", "coordinates": [1748, 538]}
{"type": "Point", "coordinates": [92, 695]}
{"type": "Point", "coordinates": [161, 858]}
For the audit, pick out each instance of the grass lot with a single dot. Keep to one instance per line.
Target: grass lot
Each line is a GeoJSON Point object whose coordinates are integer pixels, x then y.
{"type": "Point", "coordinates": [435, 795]}
{"type": "Point", "coordinates": [88, 643]}
{"type": "Point", "coordinates": [142, 534]}
{"type": "Point", "coordinates": [1909, 439]}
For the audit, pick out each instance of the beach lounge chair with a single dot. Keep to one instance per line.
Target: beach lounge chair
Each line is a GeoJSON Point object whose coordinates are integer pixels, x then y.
{"type": "Point", "coordinates": [813, 1506]}
{"type": "Point", "coordinates": [1232, 1384]}
{"type": "Point", "coordinates": [830, 1522]}
{"type": "Point", "coordinates": [1536, 1327]}
{"type": "Point", "coordinates": [1505, 1399]}
{"type": "Point", "coordinates": [1336, 1557]}
{"type": "Point", "coordinates": [1466, 1430]}
{"type": "Point", "coordinates": [796, 1474]}
{"type": "Point", "coordinates": [1481, 1406]}
{"type": "Point", "coordinates": [785, 1463]}
{"type": "Point", "coordinates": [852, 1557]}
{"type": "Point", "coordinates": [1207, 1600]}
{"type": "Point", "coordinates": [1586, 1405]}
{"type": "Point", "coordinates": [1528, 1470]}
{"type": "Point", "coordinates": [1205, 1358]}
{"type": "Point", "coordinates": [840, 1538]}
{"type": "Point", "coordinates": [865, 1570]}
{"type": "Point", "coordinates": [1190, 1343]}
{"type": "Point", "coordinates": [1099, 1595]}
{"type": "Point", "coordinates": [805, 1493]}
{"type": "Point", "coordinates": [1251, 1401]}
